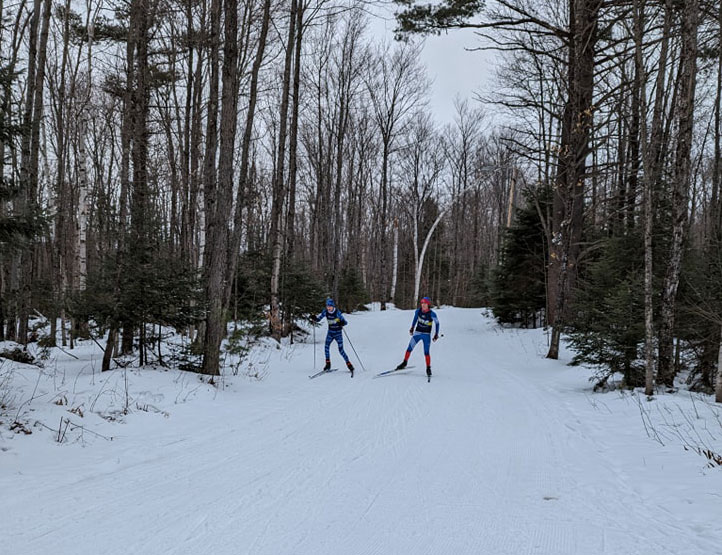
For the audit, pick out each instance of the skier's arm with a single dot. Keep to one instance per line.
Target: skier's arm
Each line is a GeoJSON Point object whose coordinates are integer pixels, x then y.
{"type": "Point", "coordinates": [413, 322]}
{"type": "Point", "coordinates": [341, 319]}
{"type": "Point", "coordinates": [436, 321]}
{"type": "Point", "coordinates": [320, 316]}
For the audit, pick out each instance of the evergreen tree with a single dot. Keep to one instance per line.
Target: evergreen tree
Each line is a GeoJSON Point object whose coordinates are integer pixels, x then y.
{"type": "Point", "coordinates": [165, 292]}
{"type": "Point", "coordinates": [300, 293]}
{"type": "Point", "coordinates": [17, 227]}
{"type": "Point", "coordinates": [249, 296]}
{"type": "Point", "coordinates": [351, 291]}
{"type": "Point", "coordinates": [481, 287]}
{"type": "Point", "coordinates": [606, 327]}
{"type": "Point", "coordinates": [700, 315]}
{"type": "Point", "coordinates": [518, 293]}
{"type": "Point", "coordinates": [14, 227]}
{"type": "Point", "coordinates": [434, 17]}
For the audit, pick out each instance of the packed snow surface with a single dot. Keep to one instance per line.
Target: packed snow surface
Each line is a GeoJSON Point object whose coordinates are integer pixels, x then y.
{"type": "Point", "coordinates": [504, 452]}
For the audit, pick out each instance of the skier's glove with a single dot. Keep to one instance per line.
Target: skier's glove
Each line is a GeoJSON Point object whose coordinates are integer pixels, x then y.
{"type": "Point", "coordinates": [436, 337]}
{"type": "Point", "coordinates": [411, 331]}
{"type": "Point", "coordinates": [343, 323]}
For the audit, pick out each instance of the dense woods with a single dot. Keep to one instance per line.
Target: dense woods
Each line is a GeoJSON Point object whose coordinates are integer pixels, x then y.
{"type": "Point", "coordinates": [188, 163]}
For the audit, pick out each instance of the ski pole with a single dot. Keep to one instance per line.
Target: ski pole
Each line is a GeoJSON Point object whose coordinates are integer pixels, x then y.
{"type": "Point", "coordinates": [354, 350]}
{"type": "Point", "coordinates": [314, 346]}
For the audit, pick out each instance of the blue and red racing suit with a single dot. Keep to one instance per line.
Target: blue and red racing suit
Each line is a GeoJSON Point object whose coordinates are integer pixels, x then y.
{"type": "Point", "coordinates": [422, 323]}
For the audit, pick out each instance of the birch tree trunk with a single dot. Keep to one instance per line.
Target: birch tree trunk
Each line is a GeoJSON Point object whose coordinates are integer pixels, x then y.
{"type": "Point", "coordinates": [687, 83]}
{"type": "Point", "coordinates": [422, 255]}
{"type": "Point", "coordinates": [648, 219]}
{"type": "Point", "coordinates": [83, 188]}
{"type": "Point", "coordinates": [395, 268]}
{"type": "Point", "coordinates": [651, 151]}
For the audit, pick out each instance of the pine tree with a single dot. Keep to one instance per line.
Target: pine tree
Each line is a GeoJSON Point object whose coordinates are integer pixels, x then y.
{"type": "Point", "coordinates": [163, 292]}
{"type": "Point", "coordinates": [352, 293]}
{"type": "Point", "coordinates": [518, 294]}
{"type": "Point", "coordinates": [606, 328]}
{"type": "Point", "coordinates": [17, 228]}
{"type": "Point", "coordinates": [700, 315]}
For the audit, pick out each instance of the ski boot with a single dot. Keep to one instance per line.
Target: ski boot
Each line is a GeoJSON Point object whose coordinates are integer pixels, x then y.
{"type": "Point", "coordinates": [428, 373]}
{"type": "Point", "coordinates": [401, 366]}
{"type": "Point", "coordinates": [350, 367]}
{"type": "Point", "coordinates": [328, 365]}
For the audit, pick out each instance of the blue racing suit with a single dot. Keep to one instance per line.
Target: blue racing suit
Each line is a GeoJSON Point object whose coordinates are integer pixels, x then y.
{"type": "Point", "coordinates": [336, 321]}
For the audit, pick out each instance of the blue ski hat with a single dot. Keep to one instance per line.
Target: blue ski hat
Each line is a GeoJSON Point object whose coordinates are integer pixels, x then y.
{"type": "Point", "coordinates": [329, 302]}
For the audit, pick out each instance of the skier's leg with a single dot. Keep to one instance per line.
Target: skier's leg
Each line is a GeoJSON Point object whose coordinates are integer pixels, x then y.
{"type": "Point", "coordinates": [329, 338]}
{"type": "Point", "coordinates": [339, 342]}
{"type": "Point", "coordinates": [412, 343]}
{"type": "Point", "coordinates": [427, 352]}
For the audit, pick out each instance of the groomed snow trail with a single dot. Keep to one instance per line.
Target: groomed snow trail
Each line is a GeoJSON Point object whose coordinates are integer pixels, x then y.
{"type": "Point", "coordinates": [489, 458]}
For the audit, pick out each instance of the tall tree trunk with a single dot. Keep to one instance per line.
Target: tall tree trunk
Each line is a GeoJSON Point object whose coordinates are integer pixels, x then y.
{"type": "Point", "coordinates": [217, 251]}
{"type": "Point", "coordinates": [83, 189]}
{"type": "Point", "coordinates": [244, 177]}
{"type": "Point", "coordinates": [571, 174]}
{"type": "Point", "coordinates": [680, 194]}
{"type": "Point", "coordinates": [30, 151]}
{"type": "Point", "coordinates": [211, 148]}
{"type": "Point", "coordinates": [126, 137]}
{"type": "Point", "coordinates": [634, 147]}
{"type": "Point", "coordinates": [713, 236]}
{"type": "Point", "coordinates": [140, 198]}
{"type": "Point", "coordinates": [651, 145]}
{"type": "Point", "coordinates": [194, 150]}
{"type": "Point", "coordinates": [58, 211]}
{"type": "Point", "coordinates": [384, 214]}
{"type": "Point", "coordinates": [293, 139]}
{"type": "Point", "coordinates": [639, 11]}
{"type": "Point", "coordinates": [395, 262]}
{"type": "Point", "coordinates": [276, 235]}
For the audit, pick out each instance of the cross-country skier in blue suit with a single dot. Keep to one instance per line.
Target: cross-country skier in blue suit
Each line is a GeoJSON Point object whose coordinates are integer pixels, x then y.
{"type": "Point", "coordinates": [336, 322]}
{"type": "Point", "coordinates": [420, 330]}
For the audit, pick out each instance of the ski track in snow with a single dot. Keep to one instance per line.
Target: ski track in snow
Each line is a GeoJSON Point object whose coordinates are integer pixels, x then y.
{"type": "Point", "coordinates": [489, 458]}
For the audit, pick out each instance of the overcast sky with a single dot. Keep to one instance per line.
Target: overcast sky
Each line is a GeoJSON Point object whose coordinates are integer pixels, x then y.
{"type": "Point", "coordinates": [454, 69]}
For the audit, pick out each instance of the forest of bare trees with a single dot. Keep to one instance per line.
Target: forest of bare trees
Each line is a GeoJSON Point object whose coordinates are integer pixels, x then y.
{"type": "Point", "coordinates": [184, 164]}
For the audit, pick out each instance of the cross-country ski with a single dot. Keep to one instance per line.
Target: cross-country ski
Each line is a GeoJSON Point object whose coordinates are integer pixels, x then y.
{"type": "Point", "coordinates": [393, 371]}
{"type": "Point", "coordinates": [322, 372]}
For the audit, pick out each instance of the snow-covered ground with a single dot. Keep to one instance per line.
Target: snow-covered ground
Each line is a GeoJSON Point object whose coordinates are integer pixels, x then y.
{"type": "Point", "coordinates": [504, 452]}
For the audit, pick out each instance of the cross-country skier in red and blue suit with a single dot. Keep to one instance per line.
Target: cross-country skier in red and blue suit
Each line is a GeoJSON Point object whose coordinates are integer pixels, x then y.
{"type": "Point", "coordinates": [424, 317]}
{"type": "Point", "coordinates": [336, 322]}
